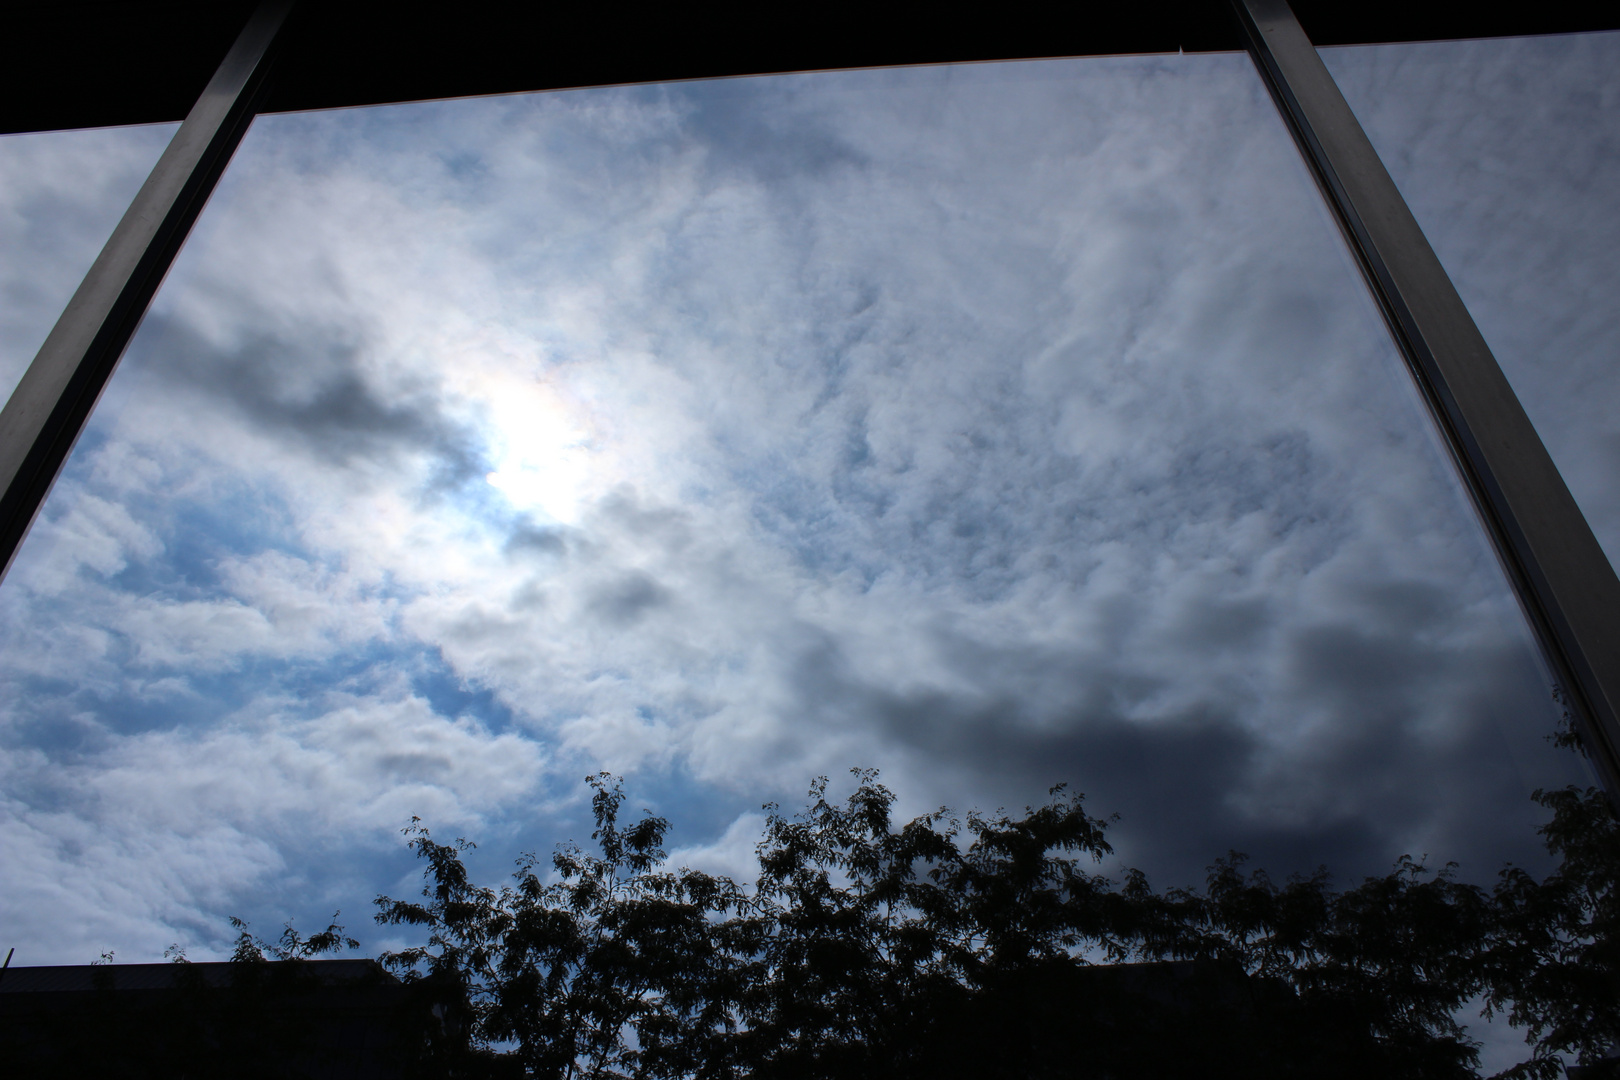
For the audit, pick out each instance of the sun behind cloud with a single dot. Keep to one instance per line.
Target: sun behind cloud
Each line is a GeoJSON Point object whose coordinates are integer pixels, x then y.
{"type": "Point", "coordinates": [542, 450]}
{"type": "Point", "coordinates": [543, 444]}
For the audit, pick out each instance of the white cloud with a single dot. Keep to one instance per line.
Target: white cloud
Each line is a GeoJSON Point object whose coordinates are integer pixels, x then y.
{"type": "Point", "coordinates": [149, 836]}
{"type": "Point", "coordinates": [730, 855]}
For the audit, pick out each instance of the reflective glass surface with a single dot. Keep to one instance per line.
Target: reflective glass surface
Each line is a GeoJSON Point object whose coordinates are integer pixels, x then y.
{"type": "Point", "coordinates": [993, 426]}
{"type": "Point", "coordinates": [61, 193]}
{"type": "Point", "coordinates": [1508, 151]}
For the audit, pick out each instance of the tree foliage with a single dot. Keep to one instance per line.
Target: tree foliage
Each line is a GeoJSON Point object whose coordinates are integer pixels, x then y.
{"type": "Point", "coordinates": [993, 945]}
{"type": "Point", "coordinates": [987, 945]}
{"type": "Point", "coordinates": [1555, 961]}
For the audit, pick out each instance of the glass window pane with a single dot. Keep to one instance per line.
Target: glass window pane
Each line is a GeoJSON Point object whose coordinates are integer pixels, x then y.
{"type": "Point", "coordinates": [61, 193]}
{"type": "Point", "coordinates": [1508, 151]}
{"type": "Point", "coordinates": [994, 426]}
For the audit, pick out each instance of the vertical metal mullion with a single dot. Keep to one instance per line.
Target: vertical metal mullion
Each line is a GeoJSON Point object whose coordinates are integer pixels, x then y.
{"type": "Point", "coordinates": [46, 413]}
{"type": "Point", "coordinates": [1564, 582]}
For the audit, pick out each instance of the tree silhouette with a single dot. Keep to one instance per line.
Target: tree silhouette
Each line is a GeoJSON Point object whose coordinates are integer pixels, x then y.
{"type": "Point", "coordinates": [991, 945]}
{"type": "Point", "coordinates": [1555, 961]}
{"type": "Point", "coordinates": [986, 945]}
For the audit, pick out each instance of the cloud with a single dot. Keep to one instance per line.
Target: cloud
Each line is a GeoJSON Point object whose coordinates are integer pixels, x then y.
{"type": "Point", "coordinates": [993, 426]}
{"type": "Point", "coordinates": [311, 395]}
{"type": "Point", "coordinates": [61, 193]}
{"type": "Point", "coordinates": [153, 833]}
{"type": "Point", "coordinates": [1509, 156]}
{"type": "Point", "coordinates": [730, 855]}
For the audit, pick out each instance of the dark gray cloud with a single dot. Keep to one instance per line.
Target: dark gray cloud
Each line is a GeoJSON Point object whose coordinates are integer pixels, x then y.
{"type": "Point", "coordinates": [528, 538]}
{"type": "Point", "coordinates": [310, 393]}
{"type": "Point", "coordinates": [624, 601]}
{"type": "Point", "coordinates": [1190, 786]}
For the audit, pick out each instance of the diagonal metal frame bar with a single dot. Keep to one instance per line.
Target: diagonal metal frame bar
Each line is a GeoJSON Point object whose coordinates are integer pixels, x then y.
{"type": "Point", "coordinates": [1564, 582]}
{"type": "Point", "coordinates": [47, 412]}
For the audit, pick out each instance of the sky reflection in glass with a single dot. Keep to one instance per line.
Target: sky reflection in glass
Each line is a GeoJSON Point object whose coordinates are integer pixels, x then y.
{"type": "Point", "coordinates": [1508, 151]}
{"type": "Point", "coordinates": [994, 426]}
{"type": "Point", "coordinates": [61, 193]}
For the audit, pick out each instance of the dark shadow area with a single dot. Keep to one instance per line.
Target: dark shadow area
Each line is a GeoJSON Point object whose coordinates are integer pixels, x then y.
{"type": "Point", "coordinates": [94, 63]}
{"type": "Point", "coordinates": [325, 1019]}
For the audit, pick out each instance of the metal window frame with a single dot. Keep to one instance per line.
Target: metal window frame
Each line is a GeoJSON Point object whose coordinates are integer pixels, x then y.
{"type": "Point", "coordinates": [1566, 586]}
{"type": "Point", "coordinates": [47, 412]}
{"type": "Point", "coordinates": [1564, 583]}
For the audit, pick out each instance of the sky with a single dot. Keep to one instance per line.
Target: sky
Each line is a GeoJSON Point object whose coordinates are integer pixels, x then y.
{"type": "Point", "coordinates": [995, 426]}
